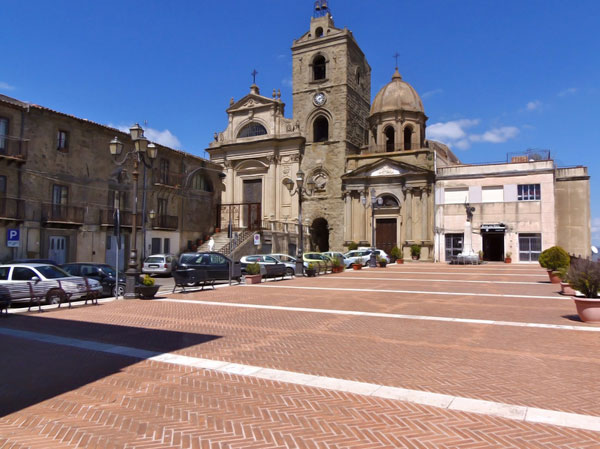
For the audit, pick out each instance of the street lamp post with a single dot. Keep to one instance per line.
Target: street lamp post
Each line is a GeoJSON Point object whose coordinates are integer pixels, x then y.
{"type": "Point", "coordinates": [375, 202]}
{"type": "Point", "coordinates": [140, 151]}
{"type": "Point", "coordinates": [300, 190]}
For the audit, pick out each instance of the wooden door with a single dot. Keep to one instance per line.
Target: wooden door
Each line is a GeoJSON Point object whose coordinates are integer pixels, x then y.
{"type": "Point", "coordinates": [385, 233]}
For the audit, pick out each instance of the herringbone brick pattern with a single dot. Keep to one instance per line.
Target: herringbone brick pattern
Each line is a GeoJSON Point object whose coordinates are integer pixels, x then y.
{"type": "Point", "coordinates": [66, 397]}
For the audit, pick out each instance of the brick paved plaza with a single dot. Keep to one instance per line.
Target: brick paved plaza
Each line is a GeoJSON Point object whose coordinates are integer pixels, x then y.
{"type": "Point", "coordinates": [414, 355]}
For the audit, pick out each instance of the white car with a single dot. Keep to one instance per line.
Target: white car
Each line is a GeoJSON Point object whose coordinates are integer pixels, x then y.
{"type": "Point", "coordinates": [378, 252]}
{"type": "Point", "coordinates": [159, 264]}
{"type": "Point", "coordinates": [360, 256]}
{"type": "Point", "coordinates": [44, 280]}
{"type": "Point", "coordinates": [339, 256]}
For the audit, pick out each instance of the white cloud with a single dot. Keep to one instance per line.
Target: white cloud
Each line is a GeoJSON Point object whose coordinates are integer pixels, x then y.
{"type": "Point", "coordinates": [496, 135]}
{"type": "Point", "coordinates": [6, 86]}
{"type": "Point", "coordinates": [455, 133]}
{"type": "Point", "coordinates": [533, 105]}
{"type": "Point", "coordinates": [286, 82]}
{"type": "Point", "coordinates": [569, 91]}
{"type": "Point", "coordinates": [165, 137]}
{"type": "Point", "coordinates": [596, 230]}
{"type": "Point", "coordinates": [431, 93]}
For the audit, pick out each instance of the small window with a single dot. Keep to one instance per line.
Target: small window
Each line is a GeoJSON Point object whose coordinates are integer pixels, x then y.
{"type": "Point", "coordinates": [390, 139]}
{"type": "Point", "coordinates": [164, 172]}
{"type": "Point", "coordinates": [167, 248]}
{"type": "Point", "coordinates": [454, 245]}
{"type": "Point", "coordinates": [319, 32]}
{"type": "Point", "coordinates": [319, 68]}
{"type": "Point", "coordinates": [60, 195]}
{"type": "Point", "coordinates": [494, 194]}
{"type": "Point", "coordinates": [321, 129]}
{"type": "Point", "coordinates": [199, 182]}
{"type": "Point", "coordinates": [528, 192]}
{"type": "Point", "coordinates": [408, 138]}
{"type": "Point", "coordinates": [252, 130]}
{"type": "Point", "coordinates": [358, 77]}
{"type": "Point", "coordinates": [530, 247]}
{"type": "Point", "coordinates": [456, 196]}
{"type": "Point", "coordinates": [62, 140]}
{"type": "Point", "coordinates": [389, 201]}
{"type": "Point", "coordinates": [3, 134]}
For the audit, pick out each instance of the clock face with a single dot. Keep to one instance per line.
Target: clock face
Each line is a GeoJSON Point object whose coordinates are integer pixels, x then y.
{"type": "Point", "coordinates": [319, 99]}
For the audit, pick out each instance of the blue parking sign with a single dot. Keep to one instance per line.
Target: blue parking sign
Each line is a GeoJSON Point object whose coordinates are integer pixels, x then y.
{"type": "Point", "coordinates": [12, 238]}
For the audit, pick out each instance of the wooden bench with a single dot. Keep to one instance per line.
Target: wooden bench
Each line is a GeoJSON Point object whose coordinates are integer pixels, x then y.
{"type": "Point", "coordinates": [274, 271]}
{"type": "Point", "coordinates": [192, 278]}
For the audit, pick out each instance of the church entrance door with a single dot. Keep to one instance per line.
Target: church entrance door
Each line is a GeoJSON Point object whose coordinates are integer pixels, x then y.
{"type": "Point", "coordinates": [385, 234]}
{"type": "Point", "coordinates": [493, 246]}
{"type": "Point", "coordinates": [319, 235]}
{"type": "Point", "coordinates": [252, 200]}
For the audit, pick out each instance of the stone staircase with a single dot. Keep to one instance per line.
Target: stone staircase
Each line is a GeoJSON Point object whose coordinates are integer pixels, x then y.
{"type": "Point", "coordinates": [223, 244]}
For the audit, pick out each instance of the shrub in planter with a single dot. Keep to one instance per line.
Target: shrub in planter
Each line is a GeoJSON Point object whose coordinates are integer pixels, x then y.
{"type": "Point", "coordinates": [253, 275]}
{"type": "Point", "coordinates": [382, 262]}
{"type": "Point", "coordinates": [147, 289]}
{"type": "Point", "coordinates": [508, 258]}
{"type": "Point", "coordinates": [395, 253]}
{"type": "Point", "coordinates": [336, 265]}
{"type": "Point", "coordinates": [352, 246]}
{"type": "Point", "coordinates": [415, 251]}
{"type": "Point", "coordinates": [584, 276]}
{"type": "Point", "coordinates": [311, 270]}
{"type": "Point", "coordinates": [553, 259]}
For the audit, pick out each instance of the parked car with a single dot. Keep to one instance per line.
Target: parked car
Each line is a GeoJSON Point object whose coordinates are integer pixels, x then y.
{"type": "Point", "coordinates": [159, 264]}
{"type": "Point", "coordinates": [378, 252]}
{"type": "Point", "coordinates": [277, 268]}
{"type": "Point", "coordinates": [332, 255]}
{"type": "Point", "coordinates": [319, 259]}
{"type": "Point", "coordinates": [288, 261]}
{"type": "Point", "coordinates": [103, 273]}
{"type": "Point", "coordinates": [215, 264]}
{"type": "Point", "coordinates": [44, 279]}
{"type": "Point", "coordinates": [359, 256]}
{"type": "Point", "coordinates": [44, 261]}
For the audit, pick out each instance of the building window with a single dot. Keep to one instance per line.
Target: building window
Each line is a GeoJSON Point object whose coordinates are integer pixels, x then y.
{"type": "Point", "coordinates": [62, 140]}
{"type": "Point", "coordinates": [528, 192]}
{"type": "Point", "coordinates": [319, 68]}
{"type": "Point", "coordinates": [162, 207]}
{"type": "Point", "coordinates": [454, 245]}
{"type": "Point", "coordinates": [390, 139]}
{"type": "Point", "coordinates": [408, 138]}
{"type": "Point", "coordinates": [321, 129]}
{"type": "Point", "coordinates": [456, 196]}
{"type": "Point", "coordinates": [319, 32]}
{"type": "Point", "coordinates": [389, 201]}
{"type": "Point", "coordinates": [199, 182]}
{"type": "Point", "coordinates": [164, 172]}
{"type": "Point", "coordinates": [494, 194]}
{"type": "Point", "coordinates": [60, 195]}
{"type": "Point", "coordinates": [3, 134]}
{"type": "Point", "coordinates": [530, 247]}
{"type": "Point", "coordinates": [252, 129]}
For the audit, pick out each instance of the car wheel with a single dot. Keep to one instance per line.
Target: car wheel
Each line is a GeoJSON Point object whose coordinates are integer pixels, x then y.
{"type": "Point", "coordinates": [290, 271]}
{"type": "Point", "coordinates": [54, 297]}
{"type": "Point", "coordinates": [120, 292]}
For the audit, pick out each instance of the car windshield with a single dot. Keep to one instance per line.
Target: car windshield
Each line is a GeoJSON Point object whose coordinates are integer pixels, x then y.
{"type": "Point", "coordinates": [52, 272]}
{"type": "Point", "coordinates": [190, 258]}
{"type": "Point", "coordinates": [155, 259]}
{"type": "Point", "coordinates": [108, 270]}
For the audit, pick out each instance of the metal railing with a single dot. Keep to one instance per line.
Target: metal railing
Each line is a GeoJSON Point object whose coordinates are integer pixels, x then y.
{"type": "Point", "coordinates": [107, 217]}
{"type": "Point", "coordinates": [165, 222]}
{"type": "Point", "coordinates": [169, 179]}
{"type": "Point", "coordinates": [240, 215]}
{"type": "Point", "coordinates": [60, 213]}
{"type": "Point", "coordinates": [12, 209]}
{"type": "Point", "coordinates": [13, 147]}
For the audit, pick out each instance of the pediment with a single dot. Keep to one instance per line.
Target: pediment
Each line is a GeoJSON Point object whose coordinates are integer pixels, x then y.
{"type": "Point", "coordinates": [385, 168]}
{"type": "Point", "coordinates": [252, 101]}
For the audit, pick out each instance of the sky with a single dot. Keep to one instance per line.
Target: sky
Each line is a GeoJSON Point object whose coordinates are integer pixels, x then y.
{"type": "Point", "coordinates": [495, 77]}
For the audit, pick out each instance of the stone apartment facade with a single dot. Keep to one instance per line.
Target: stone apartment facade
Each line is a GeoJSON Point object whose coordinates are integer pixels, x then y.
{"type": "Point", "coordinates": [378, 180]}
{"type": "Point", "coordinates": [59, 188]}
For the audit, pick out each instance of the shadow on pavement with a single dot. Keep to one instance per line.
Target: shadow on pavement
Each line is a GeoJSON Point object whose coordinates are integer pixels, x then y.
{"type": "Point", "coordinates": [33, 371]}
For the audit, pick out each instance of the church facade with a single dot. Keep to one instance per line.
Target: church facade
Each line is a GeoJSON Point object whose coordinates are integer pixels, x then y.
{"type": "Point", "coordinates": [372, 171]}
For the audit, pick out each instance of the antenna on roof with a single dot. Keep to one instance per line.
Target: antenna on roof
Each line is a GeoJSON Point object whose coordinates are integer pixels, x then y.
{"type": "Point", "coordinates": [321, 8]}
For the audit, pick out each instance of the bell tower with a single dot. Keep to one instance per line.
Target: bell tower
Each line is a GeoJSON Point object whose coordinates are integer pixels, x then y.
{"type": "Point", "coordinates": [331, 103]}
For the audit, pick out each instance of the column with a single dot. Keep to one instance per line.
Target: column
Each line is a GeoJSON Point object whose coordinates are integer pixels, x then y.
{"type": "Point", "coordinates": [424, 214]}
{"type": "Point", "coordinates": [409, 214]}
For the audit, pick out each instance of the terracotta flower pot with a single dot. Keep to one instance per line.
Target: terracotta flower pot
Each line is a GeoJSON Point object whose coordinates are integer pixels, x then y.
{"type": "Point", "coordinates": [507, 260]}
{"type": "Point", "coordinates": [356, 266]}
{"type": "Point", "coordinates": [399, 260]}
{"type": "Point", "coordinates": [253, 278]}
{"type": "Point", "coordinates": [566, 289]}
{"type": "Point", "coordinates": [554, 277]}
{"type": "Point", "coordinates": [588, 309]}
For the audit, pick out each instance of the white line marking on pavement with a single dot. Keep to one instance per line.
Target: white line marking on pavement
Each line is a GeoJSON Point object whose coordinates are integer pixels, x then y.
{"type": "Point", "coordinates": [436, 280]}
{"type": "Point", "coordinates": [387, 315]}
{"type": "Point", "coordinates": [482, 407]}
{"type": "Point", "coordinates": [419, 292]}
{"type": "Point", "coordinates": [446, 273]}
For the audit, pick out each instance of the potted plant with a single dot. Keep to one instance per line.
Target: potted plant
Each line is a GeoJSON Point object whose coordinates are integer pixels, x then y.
{"type": "Point", "coordinates": [415, 251]}
{"type": "Point", "coordinates": [357, 265]}
{"type": "Point", "coordinates": [507, 258]}
{"type": "Point", "coordinates": [395, 255]}
{"type": "Point", "coordinates": [336, 265]}
{"type": "Point", "coordinates": [217, 230]}
{"type": "Point", "coordinates": [565, 287]}
{"type": "Point", "coordinates": [311, 271]}
{"type": "Point", "coordinates": [382, 262]}
{"type": "Point", "coordinates": [253, 275]}
{"type": "Point", "coordinates": [584, 276]}
{"type": "Point", "coordinates": [553, 259]}
{"type": "Point", "coordinates": [148, 288]}
{"type": "Point", "coordinates": [480, 254]}
{"type": "Point", "coordinates": [352, 246]}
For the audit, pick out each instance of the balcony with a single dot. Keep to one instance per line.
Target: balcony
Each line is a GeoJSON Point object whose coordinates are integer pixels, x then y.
{"type": "Point", "coordinates": [12, 209]}
{"type": "Point", "coordinates": [168, 222]}
{"type": "Point", "coordinates": [59, 214]}
{"type": "Point", "coordinates": [167, 179]}
{"type": "Point", "coordinates": [107, 218]}
{"type": "Point", "coordinates": [13, 148]}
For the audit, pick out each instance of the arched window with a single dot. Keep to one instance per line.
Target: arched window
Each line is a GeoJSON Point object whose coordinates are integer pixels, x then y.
{"type": "Point", "coordinates": [252, 129]}
{"type": "Point", "coordinates": [389, 201]}
{"type": "Point", "coordinates": [199, 182]}
{"type": "Point", "coordinates": [390, 139]}
{"type": "Point", "coordinates": [319, 32]}
{"type": "Point", "coordinates": [408, 138]}
{"type": "Point", "coordinates": [319, 70]}
{"type": "Point", "coordinates": [321, 129]}
{"type": "Point", "coordinates": [358, 77]}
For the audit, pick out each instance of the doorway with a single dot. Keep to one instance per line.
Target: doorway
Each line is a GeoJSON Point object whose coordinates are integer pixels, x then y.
{"type": "Point", "coordinates": [493, 246]}
{"type": "Point", "coordinates": [252, 197]}
{"type": "Point", "coordinates": [319, 235]}
{"type": "Point", "coordinates": [57, 249]}
{"type": "Point", "coordinates": [385, 234]}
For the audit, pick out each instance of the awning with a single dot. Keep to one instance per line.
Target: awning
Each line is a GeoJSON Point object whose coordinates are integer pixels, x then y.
{"type": "Point", "coordinates": [494, 227]}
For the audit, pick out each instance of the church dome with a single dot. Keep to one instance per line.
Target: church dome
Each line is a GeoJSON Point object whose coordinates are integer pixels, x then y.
{"type": "Point", "coordinates": [397, 95]}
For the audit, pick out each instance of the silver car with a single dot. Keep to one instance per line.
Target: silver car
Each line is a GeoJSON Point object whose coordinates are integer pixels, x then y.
{"type": "Point", "coordinates": [159, 264]}
{"type": "Point", "coordinates": [288, 261]}
{"type": "Point", "coordinates": [44, 280]}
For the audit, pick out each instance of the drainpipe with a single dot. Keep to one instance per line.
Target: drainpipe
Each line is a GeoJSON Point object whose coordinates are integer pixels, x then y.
{"type": "Point", "coordinates": [436, 237]}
